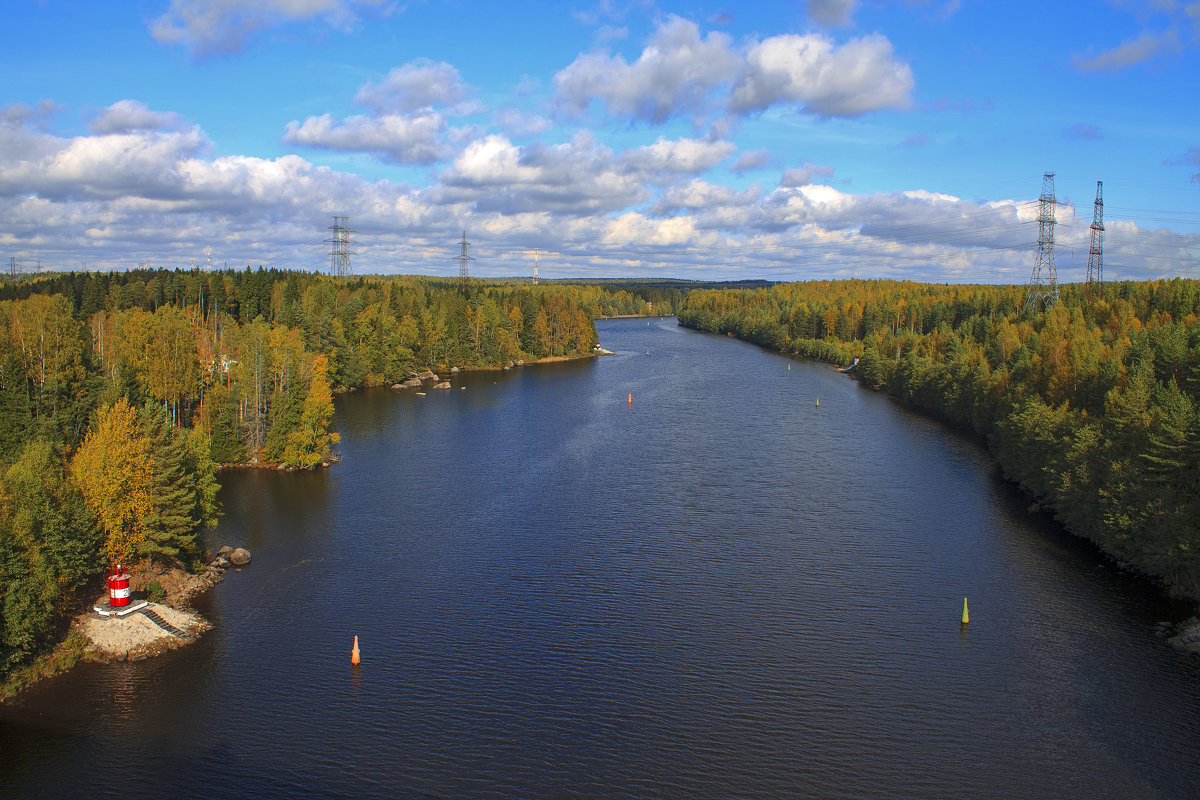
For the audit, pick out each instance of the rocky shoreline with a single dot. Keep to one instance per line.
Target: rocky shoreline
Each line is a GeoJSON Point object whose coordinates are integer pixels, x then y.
{"type": "Point", "coordinates": [170, 624]}
{"type": "Point", "coordinates": [1185, 636]}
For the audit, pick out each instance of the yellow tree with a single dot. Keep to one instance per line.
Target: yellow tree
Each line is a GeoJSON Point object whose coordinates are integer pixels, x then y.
{"type": "Point", "coordinates": [308, 445]}
{"type": "Point", "coordinates": [112, 470]}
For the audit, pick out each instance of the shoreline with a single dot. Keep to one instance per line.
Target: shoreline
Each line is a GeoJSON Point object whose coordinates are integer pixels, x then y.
{"type": "Point", "coordinates": [93, 638]}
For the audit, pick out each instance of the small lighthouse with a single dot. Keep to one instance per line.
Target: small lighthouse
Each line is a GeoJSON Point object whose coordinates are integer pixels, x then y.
{"type": "Point", "coordinates": [118, 586]}
{"type": "Point", "coordinates": [119, 602]}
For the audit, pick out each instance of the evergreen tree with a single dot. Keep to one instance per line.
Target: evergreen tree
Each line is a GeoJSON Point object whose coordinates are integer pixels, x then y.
{"type": "Point", "coordinates": [170, 527]}
{"type": "Point", "coordinates": [49, 546]}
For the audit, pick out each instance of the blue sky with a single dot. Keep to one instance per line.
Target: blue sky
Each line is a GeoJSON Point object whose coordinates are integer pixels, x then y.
{"type": "Point", "coordinates": [779, 140]}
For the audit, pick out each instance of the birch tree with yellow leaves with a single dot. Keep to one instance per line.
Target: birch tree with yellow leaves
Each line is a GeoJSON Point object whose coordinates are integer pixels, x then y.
{"type": "Point", "coordinates": [112, 469]}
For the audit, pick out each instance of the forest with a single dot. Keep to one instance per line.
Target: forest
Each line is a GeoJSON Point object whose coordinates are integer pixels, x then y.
{"type": "Point", "coordinates": [1092, 405]}
{"type": "Point", "coordinates": [122, 394]}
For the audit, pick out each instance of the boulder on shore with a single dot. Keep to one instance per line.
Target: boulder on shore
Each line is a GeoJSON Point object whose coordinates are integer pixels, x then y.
{"type": "Point", "coordinates": [240, 557]}
{"type": "Point", "coordinates": [224, 551]}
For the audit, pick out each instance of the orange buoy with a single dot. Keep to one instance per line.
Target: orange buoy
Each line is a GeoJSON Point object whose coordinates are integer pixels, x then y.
{"type": "Point", "coordinates": [631, 398]}
{"type": "Point", "coordinates": [354, 653]}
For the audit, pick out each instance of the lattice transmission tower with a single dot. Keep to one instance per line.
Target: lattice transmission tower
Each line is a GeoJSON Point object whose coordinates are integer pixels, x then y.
{"type": "Point", "coordinates": [1043, 282]}
{"type": "Point", "coordinates": [1095, 273]}
{"type": "Point", "coordinates": [462, 258]}
{"type": "Point", "coordinates": [339, 254]}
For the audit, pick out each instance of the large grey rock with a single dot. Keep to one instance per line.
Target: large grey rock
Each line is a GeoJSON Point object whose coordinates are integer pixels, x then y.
{"type": "Point", "coordinates": [442, 385]}
{"type": "Point", "coordinates": [224, 551]}
{"type": "Point", "coordinates": [240, 557]}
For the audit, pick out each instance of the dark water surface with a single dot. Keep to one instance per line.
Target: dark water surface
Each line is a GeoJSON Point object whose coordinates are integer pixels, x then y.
{"type": "Point", "coordinates": [721, 590]}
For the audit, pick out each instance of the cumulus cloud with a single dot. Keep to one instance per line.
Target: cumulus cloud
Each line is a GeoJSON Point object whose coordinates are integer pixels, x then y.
{"type": "Point", "coordinates": [413, 139]}
{"type": "Point", "coordinates": [713, 206]}
{"type": "Point", "coordinates": [802, 176]}
{"type": "Point", "coordinates": [414, 86]}
{"type": "Point", "coordinates": [213, 27]}
{"type": "Point", "coordinates": [127, 116]}
{"type": "Point", "coordinates": [521, 123]}
{"type": "Point", "coordinates": [577, 177]}
{"type": "Point", "coordinates": [685, 156]}
{"type": "Point", "coordinates": [159, 196]}
{"type": "Point", "coordinates": [145, 163]}
{"type": "Point", "coordinates": [404, 128]}
{"type": "Point", "coordinates": [810, 70]}
{"type": "Point", "coordinates": [674, 74]}
{"type": "Point", "coordinates": [680, 72]}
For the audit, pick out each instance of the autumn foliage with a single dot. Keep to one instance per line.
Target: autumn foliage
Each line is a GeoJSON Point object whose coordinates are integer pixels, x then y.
{"type": "Point", "coordinates": [1092, 406]}
{"type": "Point", "coordinates": [112, 471]}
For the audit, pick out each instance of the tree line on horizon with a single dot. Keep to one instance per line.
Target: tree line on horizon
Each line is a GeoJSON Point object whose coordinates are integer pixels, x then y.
{"type": "Point", "coordinates": [1092, 406]}
{"type": "Point", "coordinates": [122, 393]}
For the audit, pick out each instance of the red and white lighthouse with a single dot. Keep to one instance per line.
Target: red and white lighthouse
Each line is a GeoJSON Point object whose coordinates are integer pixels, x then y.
{"type": "Point", "coordinates": [118, 586]}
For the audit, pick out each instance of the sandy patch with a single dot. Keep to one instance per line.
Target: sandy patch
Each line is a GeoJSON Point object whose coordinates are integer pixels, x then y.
{"type": "Point", "coordinates": [135, 634]}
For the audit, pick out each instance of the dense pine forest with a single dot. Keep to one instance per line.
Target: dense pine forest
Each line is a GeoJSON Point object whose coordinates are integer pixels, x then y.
{"type": "Point", "coordinates": [1092, 405]}
{"type": "Point", "coordinates": [122, 394]}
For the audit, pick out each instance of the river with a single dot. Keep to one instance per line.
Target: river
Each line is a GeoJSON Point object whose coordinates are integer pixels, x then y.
{"type": "Point", "coordinates": [668, 572]}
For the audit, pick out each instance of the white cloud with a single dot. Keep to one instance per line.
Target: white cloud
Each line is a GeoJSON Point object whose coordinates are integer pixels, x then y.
{"type": "Point", "coordinates": [803, 176]}
{"type": "Point", "coordinates": [679, 72]}
{"type": "Point", "coordinates": [159, 196]}
{"type": "Point", "coordinates": [577, 177]}
{"type": "Point", "coordinates": [412, 87]}
{"type": "Point", "coordinates": [675, 73]}
{"type": "Point", "coordinates": [403, 128]}
{"type": "Point", "coordinates": [211, 27]}
{"type": "Point", "coordinates": [128, 116]}
{"type": "Point", "coordinates": [713, 206]}
{"type": "Point", "coordinates": [143, 163]}
{"type": "Point", "coordinates": [402, 139]}
{"type": "Point", "coordinates": [860, 76]}
{"type": "Point", "coordinates": [685, 156]}
{"type": "Point", "coordinates": [520, 123]}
